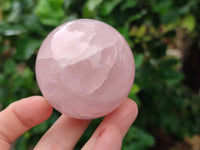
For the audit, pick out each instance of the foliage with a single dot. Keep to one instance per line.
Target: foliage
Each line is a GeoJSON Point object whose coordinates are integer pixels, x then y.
{"type": "Point", "coordinates": [165, 103]}
{"type": "Point", "coordinates": [135, 138]}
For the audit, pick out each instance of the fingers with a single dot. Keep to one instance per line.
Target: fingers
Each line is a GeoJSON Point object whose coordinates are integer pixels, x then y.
{"type": "Point", "coordinates": [63, 135]}
{"type": "Point", "coordinates": [121, 119]}
{"type": "Point", "coordinates": [109, 139]}
{"type": "Point", "coordinates": [20, 117]}
{"type": "Point", "coordinates": [4, 144]}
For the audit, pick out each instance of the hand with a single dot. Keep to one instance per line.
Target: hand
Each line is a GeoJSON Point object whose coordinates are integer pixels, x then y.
{"type": "Point", "coordinates": [22, 115]}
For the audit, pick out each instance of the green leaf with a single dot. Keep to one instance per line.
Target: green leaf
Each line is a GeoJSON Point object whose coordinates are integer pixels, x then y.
{"type": "Point", "coordinates": [129, 4]}
{"type": "Point", "coordinates": [138, 60]}
{"type": "Point", "coordinates": [133, 93]}
{"type": "Point", "coordinates": [108, 6]}
{"type": "Point", "coordinates": [184, 10]}
{"type": "Point", "coordinates": [135, 17]}
{"type": "Point", "coordinates": [141, 31]}
{"type": "Point", "coordinates": [92, 4]}
{"type": "Point", "coordinates": [161, 7]}
{"type": "Point", "coordinates": [135, 89]}
{"type": "Point", "coordinates": [50, 12]}
{"type": "Point", "coordinates": [8, 30]}
{"type": "Point", "coordinates": [189, 22]}
{"type": "Point", "coordinates": [137, 139]}
{"type": "Point", "coordinates": [67, 4]}
{"type": "Point", "coordinates": [26, 46]}
{"type": "Point", "coordinates": [5, 5]}
{"type": "Point", "coordinates": [27, 134]}
{"type": "Point", "coordinates": [41, 128]}
{"type": "Point", "coordinates": [21, 144]}
{"type": "Point", "coordinates": [169, 73]}
{"type": "Point", "coordinates": [124, 30]}
{"type": "Point", "coordinates": [1, 78]}
{"type": "Point", "coordinates": [174, 78]}
{"type": "Point", "coordinates": [9, 67]}
{"type": "Point", "coordinates": [31, 22]}
{"type": "Point", "coordinates": [90, 7]}
{"type": "Point", "coordinates": [28, 4]}
{"type": "Point", "coordinates": [171, 17]}
{"type": "Point", "coordinates": [15, 13]}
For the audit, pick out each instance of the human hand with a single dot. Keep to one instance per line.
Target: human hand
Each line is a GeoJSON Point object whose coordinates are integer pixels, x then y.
{"type": "Point", "coordinates": [22, 115]}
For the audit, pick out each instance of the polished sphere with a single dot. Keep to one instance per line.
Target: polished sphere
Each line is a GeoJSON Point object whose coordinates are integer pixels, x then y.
{"type": "Point", "coordinates": [85, 68]}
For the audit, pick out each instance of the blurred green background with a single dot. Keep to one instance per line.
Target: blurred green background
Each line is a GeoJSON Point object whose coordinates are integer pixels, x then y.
{"type": "Point", "coordinates": [164, 37]}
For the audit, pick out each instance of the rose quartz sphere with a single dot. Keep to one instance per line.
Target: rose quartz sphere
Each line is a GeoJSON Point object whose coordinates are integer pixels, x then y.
{"type": "Point", "coordinates": [85, 68]}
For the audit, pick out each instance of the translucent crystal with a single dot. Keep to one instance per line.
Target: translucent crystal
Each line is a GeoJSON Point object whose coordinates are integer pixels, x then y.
{"type": "Point", "coordinates": [85, 68]}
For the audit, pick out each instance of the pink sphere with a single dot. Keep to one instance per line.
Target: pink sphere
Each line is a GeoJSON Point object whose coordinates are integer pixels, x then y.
{"type": "Point", "coordinates": [85, 68]}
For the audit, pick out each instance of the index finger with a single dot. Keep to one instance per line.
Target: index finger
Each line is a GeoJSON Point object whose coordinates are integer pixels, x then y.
{"type": "Point", "coordinates": [20, 116]}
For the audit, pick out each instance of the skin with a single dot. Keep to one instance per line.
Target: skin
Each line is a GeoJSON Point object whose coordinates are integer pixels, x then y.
{"type": "Point", "coordinates": [26, 113]}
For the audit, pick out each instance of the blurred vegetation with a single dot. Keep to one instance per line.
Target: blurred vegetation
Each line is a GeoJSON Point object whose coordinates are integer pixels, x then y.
{"type": "Point", "coordinates": [168, 109]}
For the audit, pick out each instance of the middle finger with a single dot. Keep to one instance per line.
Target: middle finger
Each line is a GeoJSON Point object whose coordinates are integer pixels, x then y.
{"type": "Point", "coordinates": [63, 135]}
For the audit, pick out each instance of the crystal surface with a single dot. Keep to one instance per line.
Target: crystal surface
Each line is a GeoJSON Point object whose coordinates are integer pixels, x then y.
{"type": "Point", "coordinates": [85, 68]}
